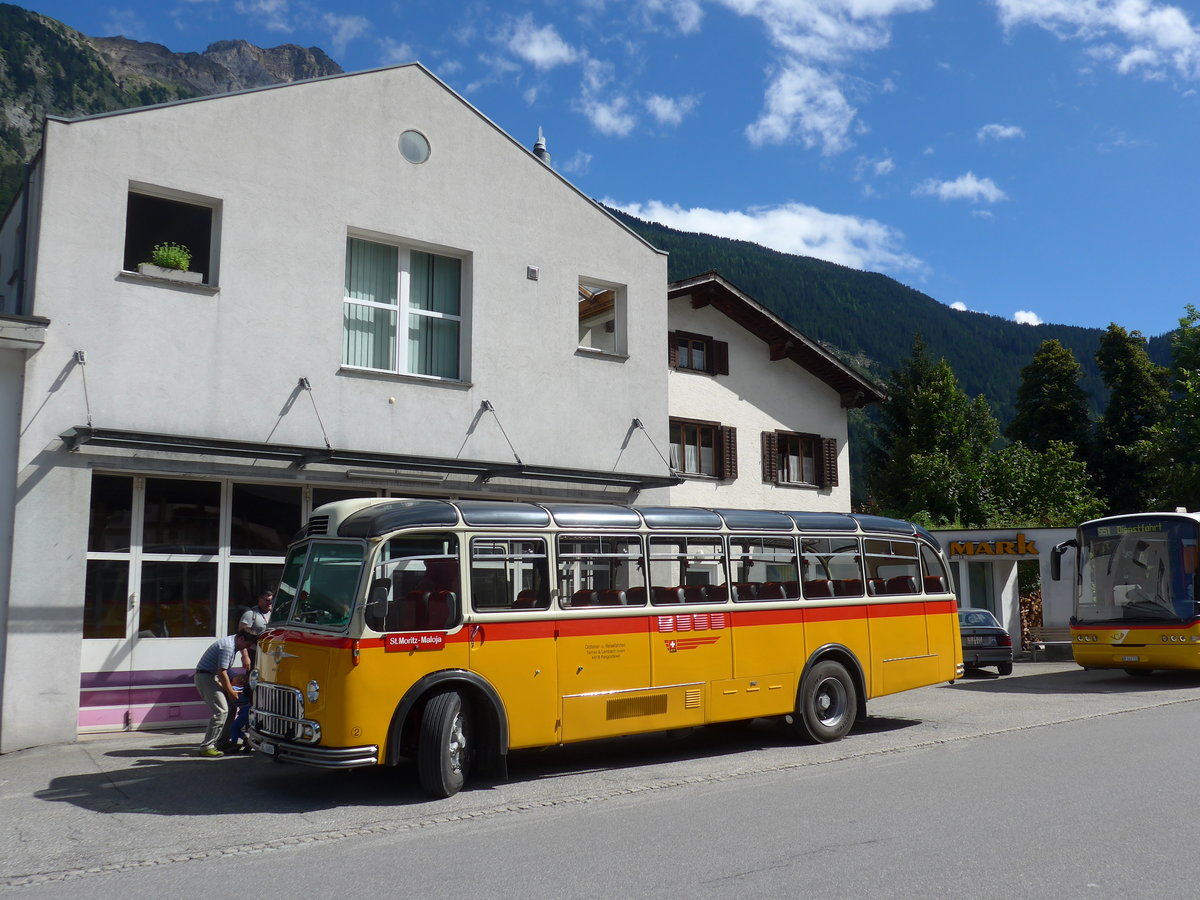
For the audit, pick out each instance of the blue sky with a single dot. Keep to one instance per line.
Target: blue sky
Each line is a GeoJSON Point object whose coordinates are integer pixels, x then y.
{"type": "Point", "coordinates": [1032, 159]}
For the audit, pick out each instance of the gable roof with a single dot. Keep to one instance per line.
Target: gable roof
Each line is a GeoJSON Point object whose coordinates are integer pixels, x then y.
{"type": "Point", "coordinates": [784, 341]}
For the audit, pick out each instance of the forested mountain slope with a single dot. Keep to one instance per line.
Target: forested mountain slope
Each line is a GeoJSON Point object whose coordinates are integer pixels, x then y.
{"type": "Point", "coordinates": [871, 319]}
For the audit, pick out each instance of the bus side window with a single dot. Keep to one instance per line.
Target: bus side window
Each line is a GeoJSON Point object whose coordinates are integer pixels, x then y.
{"type": "Point", "coordinates": [764, 568]}
{"type": "Point", "coordinates": [412, 570]}
{"type": "Point", "coordinates": [892, 565]}
{"type": "Point", "coordinates": [935, 579]}
{"type": "Point", "coordinates": [690, 568]}
{"type": "Point", "coordinates": [601, 570]}
{"type": "Point", "coordinates": [507, 574]}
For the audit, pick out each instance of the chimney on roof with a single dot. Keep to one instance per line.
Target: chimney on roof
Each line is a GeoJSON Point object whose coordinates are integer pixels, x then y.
{"type": "Point", "coordinates": [539, 148]}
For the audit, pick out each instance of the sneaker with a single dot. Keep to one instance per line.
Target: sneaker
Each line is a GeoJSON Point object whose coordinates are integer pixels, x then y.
{"type": "Point", "coordinates": [211, 753]}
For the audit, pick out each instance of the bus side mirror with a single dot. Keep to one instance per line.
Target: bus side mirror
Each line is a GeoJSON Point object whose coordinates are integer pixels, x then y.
{"type": "Point", "coordinates": [377, 606]}
{"type": "Point", "coordinates": [1056, 558]}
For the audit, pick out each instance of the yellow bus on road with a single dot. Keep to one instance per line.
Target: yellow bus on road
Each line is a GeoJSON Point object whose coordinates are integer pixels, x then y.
{"type": "Point", "coordinates": [451, 632]}
{"type": "Point", "coordinates": [1134, 592]}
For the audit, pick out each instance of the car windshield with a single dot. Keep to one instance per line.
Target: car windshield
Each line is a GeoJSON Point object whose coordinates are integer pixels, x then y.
{"type": "Point", "coordinates": [319, 584]}
{"type": "Point", "coordinates": [977, 618]}
{"type": "Point", "coordinates": [1137, 569]}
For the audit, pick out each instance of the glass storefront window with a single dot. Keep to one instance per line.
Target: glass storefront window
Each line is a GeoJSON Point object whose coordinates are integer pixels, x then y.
{"type": "Point", "coordinates": [182, 516]}
{"type": "Point", "coordinates": [246, 582]}
{"type": "Point", "coordinates": [111, 518]}
{"type": "Point", "coordinates": [105, 596]}
{"type": "Point", "coordinates": [321, 496]}
{"type": "Point", "coordinates": [178, 599]}
{"type": "Point", "coordinates": [266, 518]}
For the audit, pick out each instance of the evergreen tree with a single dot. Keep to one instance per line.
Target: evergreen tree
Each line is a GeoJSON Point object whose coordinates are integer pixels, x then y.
{"type": "Point", "coordinates": [1051, 405]}
{"type": "Point", "coordinates": [932, 461]}
{"type": "Point", "coordinates": [1137, 403]}
{"type": "Point", "coordinates": [926, 460]}
{"type": "Point", "coordinates": [1172, 452]}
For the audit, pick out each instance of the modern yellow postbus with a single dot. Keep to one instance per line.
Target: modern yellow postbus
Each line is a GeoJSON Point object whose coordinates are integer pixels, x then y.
{"type": "Point", "coordinates": [451, 632]}
{"type": "Point", "coordinates": [1134, 595]}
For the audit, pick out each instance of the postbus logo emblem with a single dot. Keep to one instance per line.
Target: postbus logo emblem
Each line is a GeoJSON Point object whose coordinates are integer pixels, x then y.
{"type": "Point", "coordinates": [278, 653]}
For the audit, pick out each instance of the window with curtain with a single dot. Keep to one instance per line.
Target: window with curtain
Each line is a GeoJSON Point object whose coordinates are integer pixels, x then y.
{"type": "Point", "coordinates": [389, 288]}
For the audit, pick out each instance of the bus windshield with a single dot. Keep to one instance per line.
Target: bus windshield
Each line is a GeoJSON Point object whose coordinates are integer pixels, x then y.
{"type": "Point", "coordinates": [319, 583]}
{"type": "Point", "coordinates": [1137, 570]}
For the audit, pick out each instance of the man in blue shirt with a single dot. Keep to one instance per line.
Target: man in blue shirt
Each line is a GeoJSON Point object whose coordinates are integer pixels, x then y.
{"type": "Point", "coordinates": [212, 681]}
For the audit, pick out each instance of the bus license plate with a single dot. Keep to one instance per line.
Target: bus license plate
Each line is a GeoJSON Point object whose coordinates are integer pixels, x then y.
{"type": "Point", "coordinates": [1131, 659]}
{"type": "Point", "coordinates": [266, 748]}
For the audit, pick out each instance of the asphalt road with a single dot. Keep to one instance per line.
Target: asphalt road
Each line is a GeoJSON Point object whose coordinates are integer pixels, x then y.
{"type": "Point", "coordinates": [1050, 782]}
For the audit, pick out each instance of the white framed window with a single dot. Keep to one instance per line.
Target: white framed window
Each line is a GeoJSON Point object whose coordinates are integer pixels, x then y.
{"type": "Point", "coordinates": [601, 316]}
{"type": "Point", "coordinates": [403, 310]}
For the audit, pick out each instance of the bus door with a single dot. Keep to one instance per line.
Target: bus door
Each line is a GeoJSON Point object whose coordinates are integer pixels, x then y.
{"type": "Point", "coordinates": [899, 630]}
{"type": "Point", "coordinates": [603, 643]}
{"type": "Point", "coordinates": [691, 633]}
{"type": "Point", "coordinates": [768, 640]}
{"type": "Point", "coordinates": [510, 633]}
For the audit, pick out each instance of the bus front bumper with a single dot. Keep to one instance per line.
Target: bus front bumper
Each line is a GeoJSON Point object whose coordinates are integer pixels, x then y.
{"type": "Point", "coordinates": [308, 755]}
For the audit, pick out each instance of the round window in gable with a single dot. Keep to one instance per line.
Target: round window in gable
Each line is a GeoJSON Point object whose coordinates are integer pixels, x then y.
{"type": "Point", "coordinates": [414, 147]}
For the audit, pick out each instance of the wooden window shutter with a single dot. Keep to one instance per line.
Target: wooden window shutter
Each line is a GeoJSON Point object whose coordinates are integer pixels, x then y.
{"type": "Point", "coordinates": [770, 457]}
{"type": "Point", "coordinates": [728, 458]}
{"type": "Point", "coordinates": [673, 350]}
{"type": "Point", "coordinates": [719, 358]}
{"type": "Point", "coordinates": [829, 462]}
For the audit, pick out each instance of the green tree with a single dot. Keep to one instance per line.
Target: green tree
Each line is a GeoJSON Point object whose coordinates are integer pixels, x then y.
{"type": "Point", "coordinates": [1172, 450]}
{"type": "Point", "coordinates": [1051, 405]}
{"type": "Point", "coordinates": [1048, 489]}
{"type": "Point", "coordinates": [1137, 403]}
{"type": "Point", "coordinates": [932, 460]}
{"type": "Point", "coordinates": [925, 463]}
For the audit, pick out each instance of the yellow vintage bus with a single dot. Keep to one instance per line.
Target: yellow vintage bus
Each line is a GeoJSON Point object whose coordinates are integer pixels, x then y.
{"type": "Point", "coordinates": [1134, 596]}
{"type": "Point", "coordinates": [454, 631]}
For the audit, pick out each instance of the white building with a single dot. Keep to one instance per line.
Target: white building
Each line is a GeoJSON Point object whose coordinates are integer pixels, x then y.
{"type": "Point", "coordinates": [388, 302]}
{"type": "Point", "coordinates": [389, 296]}
{"type": "Point", "coordinates": [758, 410]}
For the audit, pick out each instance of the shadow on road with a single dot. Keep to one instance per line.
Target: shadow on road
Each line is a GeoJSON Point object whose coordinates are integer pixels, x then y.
{"type": "Point", "coordinates": [1080, 681]}
{"type": "Point", "coordinates": [170, 780]}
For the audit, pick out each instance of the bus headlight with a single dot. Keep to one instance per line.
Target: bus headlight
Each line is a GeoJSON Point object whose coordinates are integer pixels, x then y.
{"type": "Point", "coordinates": [313, 692]}
{"type": "Point", "coordinates": [253, 679]}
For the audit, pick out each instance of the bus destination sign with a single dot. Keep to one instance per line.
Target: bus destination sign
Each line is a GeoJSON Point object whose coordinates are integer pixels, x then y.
{"type": "Point", "coordinates": [407, 643]}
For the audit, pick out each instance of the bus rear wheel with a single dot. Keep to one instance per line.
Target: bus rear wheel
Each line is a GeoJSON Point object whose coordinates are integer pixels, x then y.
{"type": "Point", "coordinates": [444, 746]}
{"type": "Point", "coordinates": [827, 704]}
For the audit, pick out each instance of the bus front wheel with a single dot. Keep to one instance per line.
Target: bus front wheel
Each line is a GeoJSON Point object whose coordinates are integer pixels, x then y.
{"type": "Point", "coordinates": [827, 704]}
{"type": "Point", "coordinates": [444, 746]}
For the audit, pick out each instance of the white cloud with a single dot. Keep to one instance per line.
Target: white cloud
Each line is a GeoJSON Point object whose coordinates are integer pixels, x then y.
{"type": "Point", "coordinates": [805, 100]}
{"type": "Point", "coordinates": [1025, 317]}
{"type": "Point", "coordinates": [541, 47]}
{"type": "Point", "coordinates": [686, 14]}
{"type": "Point", "coordinates": [806, 104]}
{"type": "Point", "coordinates": [965, 187]}
{"type": "Point", "coordinates": [271, 14]}
{"type": "Point", "coordinates": [999, 132]}
{"type": "Point", "coordinates": [609, 114]}
{"type": "Point", "coordinates": [884, 167]}
{"type": "Point", "coordinates": [959, 305]}
{"type": "Point", "coordinates": [344, 29]}
{"type": "Point", "coordinates": [393, 52]}
{"type": "Point", "coordinates": [791, 228]}
{"type": "Point", "coordinates": [1151, 37]}
{"type": "Point", "coordinates": [577, 164]}
{"type": "Point", "coordinates": [670, 111]}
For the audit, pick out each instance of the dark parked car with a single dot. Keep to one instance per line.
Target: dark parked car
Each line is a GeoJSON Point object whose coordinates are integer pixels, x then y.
{"type": "Point", "coordinates": [984, 642]}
